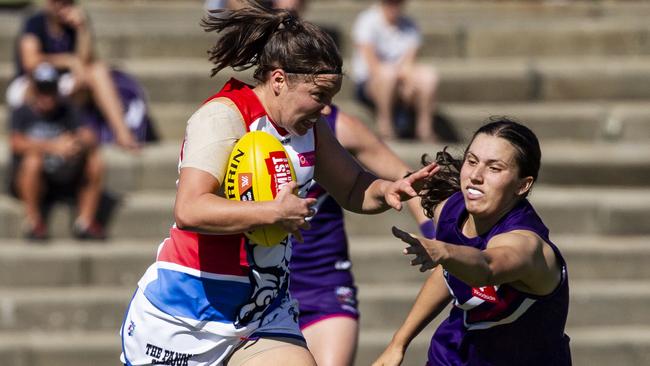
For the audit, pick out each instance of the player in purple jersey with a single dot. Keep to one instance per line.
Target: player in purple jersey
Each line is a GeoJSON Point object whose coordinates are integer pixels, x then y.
{"type": "Point", "coordinates": [321, 279]}
{"type": "Point", "coordinates": [492, 257]}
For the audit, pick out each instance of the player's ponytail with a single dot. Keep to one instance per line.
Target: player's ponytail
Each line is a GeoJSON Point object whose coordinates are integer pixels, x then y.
{"type": "Point", "coordinates": [443, 184]}
{"type": "Point", "coordinates": [267, 38]}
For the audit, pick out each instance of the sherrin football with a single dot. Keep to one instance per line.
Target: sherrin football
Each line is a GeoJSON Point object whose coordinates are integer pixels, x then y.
{"type": "Point", "coordinates": [257, 169]}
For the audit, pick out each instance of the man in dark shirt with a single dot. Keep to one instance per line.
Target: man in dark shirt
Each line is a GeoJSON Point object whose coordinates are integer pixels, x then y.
{"type": "Point", "coordinates": [60, 35]}
{"type": "Point", "coordinates": [53, 154]}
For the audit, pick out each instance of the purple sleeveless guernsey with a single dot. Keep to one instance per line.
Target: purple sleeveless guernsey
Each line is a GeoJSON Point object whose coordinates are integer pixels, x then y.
{"type": "Point", "coordinates": [499, 325]}
{"type": "Point", "coordinates": [321, 279]}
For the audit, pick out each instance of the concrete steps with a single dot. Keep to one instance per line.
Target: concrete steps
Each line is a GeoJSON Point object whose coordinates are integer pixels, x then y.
{"type": "Point", "coordinates": [462, 80]}
{"type": "Point", "coordinates": [48, 309]}
{"type": "Point", "coordinates": [65, 263]}
{"type": "Point", "coordinates": [576, 72]}
{"type": "Point", "coordinates": [580, 121]}
{"type": "Point", "coordinates": [484, 80]}
{"type": "Point", "coordinates": [600, 346]}
{"type": "Point", "coordinates": [567, 163]}
{"type": "Point", "coordinates": [59, 349]}
{"type": "Point", "coordinates": [591, 345]}
{"type": "Point", "coordinates": [449, 30]}
{"type": "Point", "coordinates": [566, 210]}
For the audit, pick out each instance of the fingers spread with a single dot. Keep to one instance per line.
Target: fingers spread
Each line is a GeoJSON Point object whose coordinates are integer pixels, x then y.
{"type": "Point", "coordinates": [405, 237]}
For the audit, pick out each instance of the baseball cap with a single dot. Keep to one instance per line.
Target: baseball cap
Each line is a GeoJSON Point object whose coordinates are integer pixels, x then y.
{"type": "Point", "coordinates": [46, 78]}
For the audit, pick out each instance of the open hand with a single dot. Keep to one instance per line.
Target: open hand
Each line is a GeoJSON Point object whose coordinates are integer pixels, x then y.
{"type": "Point", "coordinates": [407, 188]}
{"type": "Point", "coordinates": [424, 250]}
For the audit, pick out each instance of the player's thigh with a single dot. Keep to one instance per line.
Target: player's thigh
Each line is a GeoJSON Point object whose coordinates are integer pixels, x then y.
{"type": "Point", "coordinates": [333, 341]}
{"type": "Point", "coordinates": [271, 352]}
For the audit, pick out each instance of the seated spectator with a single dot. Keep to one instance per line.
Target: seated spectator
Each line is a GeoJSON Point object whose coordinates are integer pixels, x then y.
{"type": "Point", "coordinates": [54, 155]}
{"type": "Point", "coordinates": [384, 68]}
{"type": "Point", "coordinates": [60, 35]}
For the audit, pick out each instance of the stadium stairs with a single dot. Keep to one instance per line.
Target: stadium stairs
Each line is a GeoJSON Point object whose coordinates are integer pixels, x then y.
{"type": "Point", "coordinates": [577, 72]}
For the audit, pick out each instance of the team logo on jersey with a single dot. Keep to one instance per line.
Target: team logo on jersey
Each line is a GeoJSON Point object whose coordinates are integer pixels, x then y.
{"type": "Point", "coordinates": [345, 295]}
{"type": "Point", "coordinates": [131, 329]}
{"type": "Point", "coordinates": [486, 293]}
{"type": "Point", "coordinates": [307, 158]}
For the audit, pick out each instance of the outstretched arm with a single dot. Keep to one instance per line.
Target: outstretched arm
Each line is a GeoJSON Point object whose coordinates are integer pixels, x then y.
{"type": "Point", "coordinates": [375, 155]}
{"type": "Point", "coordinates": [354, 188]}
{"type": "Point", "coordinates": [519, 256]}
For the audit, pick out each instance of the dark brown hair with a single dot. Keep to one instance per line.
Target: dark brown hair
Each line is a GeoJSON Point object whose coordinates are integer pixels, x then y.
{"type": "Point", "coordinates": [267, 38]}
{"type": "Point", "coordinates": [447, 181]}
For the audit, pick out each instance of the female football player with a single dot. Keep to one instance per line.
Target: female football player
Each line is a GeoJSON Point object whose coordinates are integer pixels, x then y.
{"type": "Point", "coordinates": [213, 297]}
{"type": "Point", "coordinates": [492, 256]}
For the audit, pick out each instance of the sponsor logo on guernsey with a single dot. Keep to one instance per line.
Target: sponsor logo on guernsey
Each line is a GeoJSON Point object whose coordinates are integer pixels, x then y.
{"type": "Point", "coordinates": [161, 356]}
{"type": "Point", "coordinates": [307, 158]}
{"type": "Point", "coordinates": [279, 169]}
{"type": "Point", "coordinates": [230, 175]}
{"type": "Point", "coordinates": [487, 293]}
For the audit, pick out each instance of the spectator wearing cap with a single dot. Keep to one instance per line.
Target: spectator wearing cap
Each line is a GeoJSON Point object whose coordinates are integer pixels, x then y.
{"type": "Point", "coordinates": [54, 156]}
{"type": "Point", "coordinates": [60, 35]}
{"type": "Point", "coordinates": [385, 68]}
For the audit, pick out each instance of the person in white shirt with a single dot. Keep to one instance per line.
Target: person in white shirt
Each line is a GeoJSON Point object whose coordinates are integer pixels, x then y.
{"type": "Point", "coordinates": [385, 71]}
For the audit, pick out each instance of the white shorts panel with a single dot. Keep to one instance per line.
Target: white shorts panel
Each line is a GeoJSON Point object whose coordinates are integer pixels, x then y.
{"type": "Point", "coordinates": [151, 337]}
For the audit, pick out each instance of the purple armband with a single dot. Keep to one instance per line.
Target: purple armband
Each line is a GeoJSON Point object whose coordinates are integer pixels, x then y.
{"type": "Point", "coordinates": [427, 229]}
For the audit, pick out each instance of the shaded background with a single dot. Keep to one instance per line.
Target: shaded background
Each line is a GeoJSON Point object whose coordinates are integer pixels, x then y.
{"type": "Point", "coordinates": [576, 72]}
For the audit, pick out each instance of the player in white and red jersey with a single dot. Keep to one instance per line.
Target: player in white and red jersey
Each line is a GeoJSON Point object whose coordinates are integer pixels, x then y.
{"type": "Point", "coordinates": [212, 297]}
